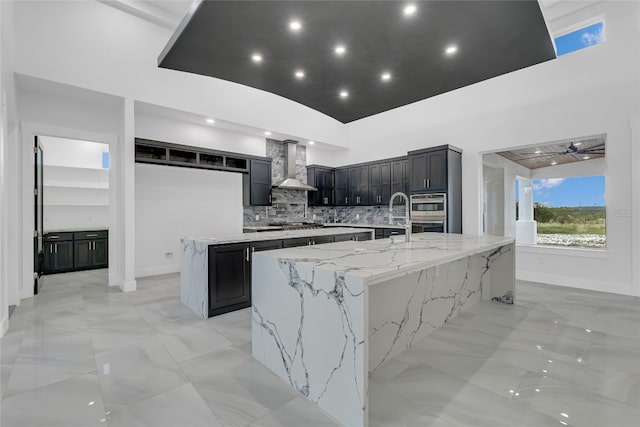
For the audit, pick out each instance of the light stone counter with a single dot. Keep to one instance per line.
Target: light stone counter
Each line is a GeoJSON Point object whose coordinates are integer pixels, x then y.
{"type": "Point", "coordinates": [194, 292]}
{"type": "Point", "coordinates": [325, 316]}
{"type": "Point", "coordinates": [355, 225]}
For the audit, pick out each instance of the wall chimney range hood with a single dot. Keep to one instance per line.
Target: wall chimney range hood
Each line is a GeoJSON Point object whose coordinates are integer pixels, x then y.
{"type": "Point", "coordinates": [291, 182]}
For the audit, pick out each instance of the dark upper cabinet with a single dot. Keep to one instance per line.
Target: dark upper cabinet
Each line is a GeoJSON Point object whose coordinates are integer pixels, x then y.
{"type": "Point", "coordinates": [229, 278]}
{"type": "Point", "coordinates": [323, 180]}
{"type": "Point", "coordinates": [341, 187]}
{"type": "Point", "coordinates": [398, 172]}
{"type": "Point", "coordinates": [359, 185]}
{"type": "Point", "coordinates": [428, 170]}
{"type": "Point", "coordinates": [407, 175]}
{"type": "Point", "coordinates": [380, 183]}
{"type": "Point", "coordinates": [257, 184]}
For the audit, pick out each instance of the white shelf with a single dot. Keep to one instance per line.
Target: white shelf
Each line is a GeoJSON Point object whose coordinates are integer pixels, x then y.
{"type": "Point", "coordinates": [46, 205]}
{"type": "Point", "coordinates": [74, 168]}
{"type": "Point", "coordinates": [81, 185]}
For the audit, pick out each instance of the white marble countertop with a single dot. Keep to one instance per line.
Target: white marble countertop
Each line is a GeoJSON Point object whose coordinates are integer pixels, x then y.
{"type": "Point", "coordinates": [354, 225]}
{"type": "Point", "coordinates": [75, 230]}
{"type": "Point", "coordinates": [274, 235]}
{"type": "Point", "coordinates": [380, 260]}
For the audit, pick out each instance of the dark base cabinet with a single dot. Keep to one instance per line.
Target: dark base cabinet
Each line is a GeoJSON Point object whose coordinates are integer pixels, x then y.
{"type": "Point", "coordinates": [229, 278]}
{"type": "Point", "coordinates": [58, 253]}
{"type": "Point", "coordinates": [83, 250]}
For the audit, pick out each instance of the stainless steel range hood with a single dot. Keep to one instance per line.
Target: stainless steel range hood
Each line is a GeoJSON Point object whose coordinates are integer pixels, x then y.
{"type": "Point", "coordinates": [290, 181]}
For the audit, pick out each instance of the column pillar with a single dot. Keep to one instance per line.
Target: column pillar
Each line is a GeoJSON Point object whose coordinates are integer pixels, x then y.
{"type": "Point", "coordinates": [526, 227]}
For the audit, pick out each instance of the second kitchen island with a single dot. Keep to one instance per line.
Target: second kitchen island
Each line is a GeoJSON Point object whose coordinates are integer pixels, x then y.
{"type": "Point", "coordinates": [324, 317]}
{"type": "Point", "coordinates": [215, 275]}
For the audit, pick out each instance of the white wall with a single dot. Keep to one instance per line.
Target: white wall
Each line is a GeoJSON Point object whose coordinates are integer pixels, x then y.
{"type": "Point", "coordinates": [589, 92]}
{"type": "Point", "coordinates": [72, 152]}
{"type": "Point", "coordinates": [8, 168]}
{"type": "Point", "coordinates": [94, 46]}
{"type": "Point", "coordinates": [494, 200]}
{"type": "Point", "coordinates": [181, 132]}
{"type": "Point", "coordinates": [172, 203]}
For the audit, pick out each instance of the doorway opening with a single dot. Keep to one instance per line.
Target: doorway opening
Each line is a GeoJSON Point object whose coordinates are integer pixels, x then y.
{"type": "Point", "coordinates": [72, 206]}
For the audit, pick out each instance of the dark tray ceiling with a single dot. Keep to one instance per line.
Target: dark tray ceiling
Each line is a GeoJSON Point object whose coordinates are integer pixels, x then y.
{"type": "Point", "coordinates": [493, 38]}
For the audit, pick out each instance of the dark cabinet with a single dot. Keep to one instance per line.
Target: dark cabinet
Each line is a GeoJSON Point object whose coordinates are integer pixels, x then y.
{"type": "Point", "coordinates": [428, 171]}
{"type": "Point", "coordinates": [257, 183]}
{"type": "Point", "coordinates": [323, 180]}
{"type": "Point", "coordinates": [90, 250]}
{"type": "Point", "coordinates": [359, 185]}
{"type": "Point", "coordinates": [342, 187]}
{"type": "Point", "coordinates": [318, 240]}
{"type": "Point", "coordinates": [380, 183]}
{"type": "Point", "coordinates": [360, 237]}
{"type": "Point", "coordinates": [229, 278]}
{"type": "Point", "coordinates": [307, 241]}
{"type": "Point", "coordinates": [58, 253]}
{"type": "Point", "coordinates": [68, 251]}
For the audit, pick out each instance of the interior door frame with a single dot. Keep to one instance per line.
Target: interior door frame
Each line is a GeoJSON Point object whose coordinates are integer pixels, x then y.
{"type": "Point", "coordinates": [38, 214]}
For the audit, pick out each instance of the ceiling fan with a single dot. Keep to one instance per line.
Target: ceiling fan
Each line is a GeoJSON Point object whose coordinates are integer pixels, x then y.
{"type": "Point", "coordinates": [573, 148]}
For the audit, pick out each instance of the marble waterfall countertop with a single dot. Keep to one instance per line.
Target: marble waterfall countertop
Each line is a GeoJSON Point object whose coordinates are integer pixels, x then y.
{"type": "Point", "coordinates": [380, 260]}
{"type": "Point", "coordinates": [273, 235]}
{"type": "Point", "coordinates": [325, 316]}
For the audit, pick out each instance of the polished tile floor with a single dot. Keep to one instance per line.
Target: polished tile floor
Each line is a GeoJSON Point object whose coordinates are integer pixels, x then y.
{"type": "Point", "coordinates": [83, 354]}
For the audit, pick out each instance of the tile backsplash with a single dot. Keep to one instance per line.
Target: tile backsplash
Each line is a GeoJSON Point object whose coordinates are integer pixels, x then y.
{"type": "Point", "coordinates": [291, 205]}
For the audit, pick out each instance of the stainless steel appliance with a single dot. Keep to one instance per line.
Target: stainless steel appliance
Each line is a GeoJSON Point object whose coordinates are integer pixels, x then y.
{"type": "Point", "coordinates": [429, 213]}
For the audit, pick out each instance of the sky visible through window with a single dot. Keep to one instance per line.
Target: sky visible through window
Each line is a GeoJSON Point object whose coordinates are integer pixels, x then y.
{"type": "Point", "coordinates": [573, 192]}
{"type": "Point", "coordinates": [579, 39]}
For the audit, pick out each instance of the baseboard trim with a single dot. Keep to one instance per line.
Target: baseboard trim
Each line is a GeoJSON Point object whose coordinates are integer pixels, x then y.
{"type": "Point", "coordinates": [578, 283]}
{"type": "Point", "coordinates": [157, 271]}
{"type": "Point", "coordinates": [129, 286]}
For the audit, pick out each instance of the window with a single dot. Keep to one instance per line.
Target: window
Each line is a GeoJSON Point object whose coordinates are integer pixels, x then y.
{"type": "Point", "coordinates": [570, 211]}
{"type": "Point", "coordinates": [590, 35]}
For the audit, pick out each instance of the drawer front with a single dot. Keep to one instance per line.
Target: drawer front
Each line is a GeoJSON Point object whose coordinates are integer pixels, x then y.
{"type": "Point", "coordinates": [56, 237]}
{"type": "Point", "coordinates": [84, 235]}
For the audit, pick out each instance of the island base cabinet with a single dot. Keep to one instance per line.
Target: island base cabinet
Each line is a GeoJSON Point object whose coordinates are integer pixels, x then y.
{"type": "Point", "coordinates": [229, 278]}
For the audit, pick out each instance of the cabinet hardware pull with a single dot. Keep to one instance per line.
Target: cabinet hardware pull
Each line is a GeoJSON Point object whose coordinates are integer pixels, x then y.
{"type": "Point", "coordinates": [346, 200]}
{"type": "Point", "coordinates": [253, 249]}
{"type": "Point", "coordinates": [53, 237]}
{"type": "Point", "coordinates": [56, 248]}
{"type": "Point", "coordinates": [247, 254]}
{"type": "Point", "coordinates": [428, 184]}
{"type": "Point", "coordinates": [269, 198]}
{"type": "Point", "coordinates": [91, 235]}
{"type": "Point", "coordinates": [425, 183]}
{"type": "Point", "coordinates": [94, 245]}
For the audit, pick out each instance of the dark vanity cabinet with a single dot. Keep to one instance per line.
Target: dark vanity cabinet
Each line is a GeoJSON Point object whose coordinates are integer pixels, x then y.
{"type": "Point", "coordinates": [359, 185]}
{"type": "Point", "coordinates": [323, 179]}
{"type": "Point", "coordinates": [379, 183]}
{"type": "Point", "coordinates": [58, 252]}
{"type": "Point", "coordinates": [257, 183]}
{"type": "Point", "coordinates": [73, 251]}
{"type": "Point", "coordinates": [341, 187]}
{"type": "Point", "coordinates": [90, 250]}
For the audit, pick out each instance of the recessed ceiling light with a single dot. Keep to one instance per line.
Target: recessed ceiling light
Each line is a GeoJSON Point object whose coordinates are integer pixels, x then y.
{"type": "Point", "coordinates": [585, 158]}
{"type": "Point", "coordinates": [257, 58]}
{"type": "Point", "coordinates": [299, 74]}
{"type": "Point", "coordinates": [267, 133]}
{"type": "Point", "coordinates": [295, 25]}
{"type": "Point", "coordinates": [210, 121]}
{"type": "Point", "coordinates": [554, 163]}
{"type": "Point", "coordinates": [344, 94]}
{"type": "Point", "coordinates": [340, 49]}
{"type": "Point", "coordinates": [564, 414]}
{"type": "Point", "coordinates": [409, 10]}
{"type": "Point", "coordinates": [311, 142]}
{"type": "Point", "coordinates": [386, 76]}
{"type": "Point", "coordinates": [450, 50]}
{"type": "Point", "coordinates": [538, 151]}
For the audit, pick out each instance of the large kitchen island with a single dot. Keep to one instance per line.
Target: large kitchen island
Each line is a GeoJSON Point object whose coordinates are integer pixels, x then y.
{"type": "Point", "coordinates": [325, 316]}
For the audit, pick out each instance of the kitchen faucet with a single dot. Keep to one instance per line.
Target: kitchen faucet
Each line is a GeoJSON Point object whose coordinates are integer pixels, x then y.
{"type": "Point", "coordinates": [407, 221]}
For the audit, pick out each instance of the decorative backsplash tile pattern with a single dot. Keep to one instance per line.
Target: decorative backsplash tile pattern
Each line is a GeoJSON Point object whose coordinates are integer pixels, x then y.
{"type": "Point", "coordinates": [290, 205]}
{"type": "Point", "coordinates": [287, 205]}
